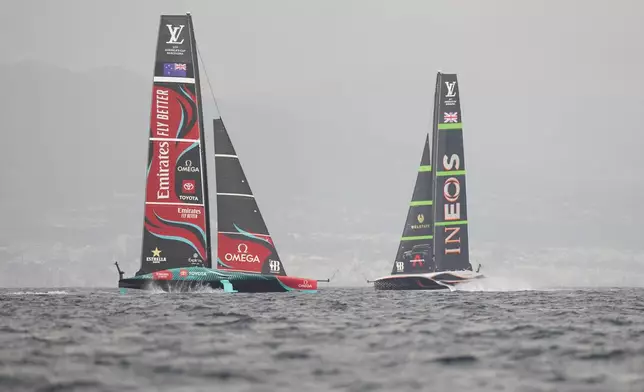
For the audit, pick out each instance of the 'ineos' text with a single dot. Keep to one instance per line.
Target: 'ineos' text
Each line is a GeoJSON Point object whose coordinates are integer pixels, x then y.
{"type": "Point", "coordinates": [452, 206]}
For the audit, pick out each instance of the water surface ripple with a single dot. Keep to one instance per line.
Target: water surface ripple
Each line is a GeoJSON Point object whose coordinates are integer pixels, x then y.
{"type": "Point", "coordinates": [344, 339]}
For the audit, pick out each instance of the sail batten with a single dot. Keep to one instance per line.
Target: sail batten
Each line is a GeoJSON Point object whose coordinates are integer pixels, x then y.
{"type": "Point", "coordinates": [235, 194]}
{"type": "Point", "coordinates": [172, 139]}
{"type": "Point", "coordinates": [175, 229]}
{"type": "Point", "coordinates": [164, 79]}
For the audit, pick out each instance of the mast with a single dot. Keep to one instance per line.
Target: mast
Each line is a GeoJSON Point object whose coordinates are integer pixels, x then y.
{"type": "Point", "coordinates": [415, 253]}
{"type": "Point", "coordinates": [433, 154]}
{"type": "Point", "coordinates": [243, 241]}
{"type": "Point", "coordinates": [175, 221]}
{"type": "Point", "coordinates": [204, 161]}
{"type": "Point", "coordinates": [451, 240]}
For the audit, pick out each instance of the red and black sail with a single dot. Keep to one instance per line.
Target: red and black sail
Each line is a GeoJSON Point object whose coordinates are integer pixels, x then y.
{"type": "Point", "coordinates": [243, 240]}
{"type": "Point", "coordinates": [451, 247]}
{"type": "Point", "coordinates": [415, 254]}
{"type": "Point", "coordinates": [175, 232]}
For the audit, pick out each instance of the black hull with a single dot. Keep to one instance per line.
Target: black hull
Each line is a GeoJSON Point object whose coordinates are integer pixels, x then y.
{"type": "Point", "coordinates": [191, 278]}
{"type": "Point", "coordinates": [442, 281]}
{"type": "Point", "coordinates": [408, 283]}
{"type": "Point", "coordinates": [249, 286]}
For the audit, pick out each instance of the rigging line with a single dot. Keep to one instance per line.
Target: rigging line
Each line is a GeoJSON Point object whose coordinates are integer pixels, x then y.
{"type": "Point", "coordinates": [203, 66]}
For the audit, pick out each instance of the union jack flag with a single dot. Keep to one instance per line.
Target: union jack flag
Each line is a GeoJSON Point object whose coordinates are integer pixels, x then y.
{"type": "Point", "coordinates": [451, 117]}
{"type": "Point", "coordinates": [182, 67]}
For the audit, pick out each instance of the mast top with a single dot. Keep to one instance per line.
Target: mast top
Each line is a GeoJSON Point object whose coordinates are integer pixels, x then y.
{"type": "Point", "coordinates": [188, 13]}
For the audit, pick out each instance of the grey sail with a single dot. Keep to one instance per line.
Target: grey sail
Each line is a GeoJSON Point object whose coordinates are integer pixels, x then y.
{"type": "Point", "coordinates": [451, 241]}
{"type": "Point", "coordinates": [415, 254]}
{"type": "Point", "coordinates": [243, 241]}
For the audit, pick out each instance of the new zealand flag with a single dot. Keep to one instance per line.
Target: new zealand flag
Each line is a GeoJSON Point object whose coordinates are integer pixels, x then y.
{"type": "Point", "coordinates": [174, 69]}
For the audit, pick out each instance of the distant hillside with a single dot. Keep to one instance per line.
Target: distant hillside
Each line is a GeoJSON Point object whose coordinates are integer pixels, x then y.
{"type": "Point", "coordinates": [70, 139]}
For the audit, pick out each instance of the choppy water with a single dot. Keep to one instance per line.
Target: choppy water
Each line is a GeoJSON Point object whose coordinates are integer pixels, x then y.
{"type": "Point", "coordinates": [337, 339]}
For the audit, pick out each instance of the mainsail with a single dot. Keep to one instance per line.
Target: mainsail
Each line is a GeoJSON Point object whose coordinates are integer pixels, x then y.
{"type": "Point", "coordinates": [243, 241]}
{"type": "Point", "coordinates": [451, 246]}
{"type": "Point", "coordinates": [175, 232]}
{"type": "Point", "coordinates": [415, 250]}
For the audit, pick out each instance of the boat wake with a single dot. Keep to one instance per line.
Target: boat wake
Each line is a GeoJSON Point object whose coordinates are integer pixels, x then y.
{"type": "Point", "coordinates": [183, 290]}
{"type": "Point", "coordinates": [54, 292]}
{"type": "Point", "coordinates": [493, 285]}
{"type": "Point", "coordinates": [496, 283]}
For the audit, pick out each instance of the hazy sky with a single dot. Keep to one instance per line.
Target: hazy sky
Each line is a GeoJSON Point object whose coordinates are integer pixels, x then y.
{"type": "Point", "coordinates": [329, 101]}
{"type": "Point", "coordinates": [541, 80]}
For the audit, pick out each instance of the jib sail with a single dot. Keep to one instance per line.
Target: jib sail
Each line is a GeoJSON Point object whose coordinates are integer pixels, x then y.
{"type": "Point", "coordinates": [450, 200]}
{"type": "Point", "coordinates": [175, 232]}
{"type": "Point", "coordinates": [243, 241]}
{"type": "Point", "coordinates": [415, 250]}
